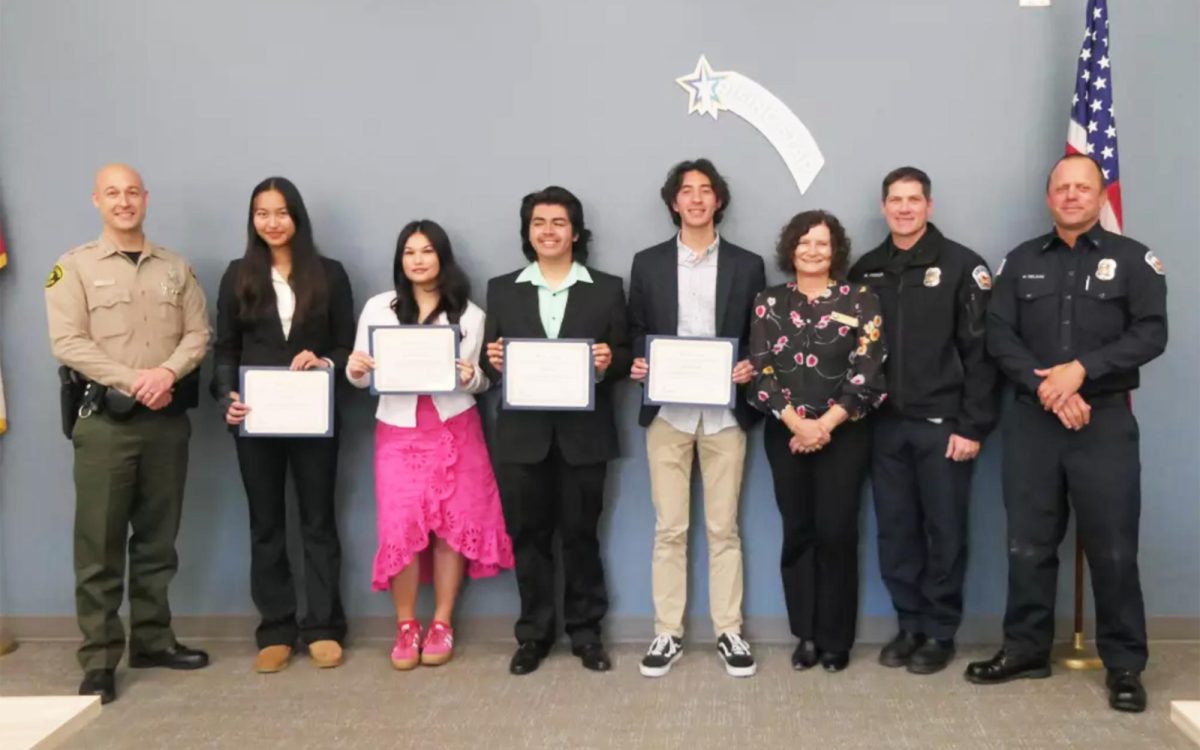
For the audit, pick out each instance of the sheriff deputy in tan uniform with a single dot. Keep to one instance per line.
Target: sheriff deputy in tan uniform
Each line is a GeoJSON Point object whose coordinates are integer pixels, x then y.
{"type": "Point", "coordinates": [129, 318]}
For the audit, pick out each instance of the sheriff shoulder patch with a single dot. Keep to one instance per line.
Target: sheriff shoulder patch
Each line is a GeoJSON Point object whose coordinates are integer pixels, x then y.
{"type": "Point", "coordinates": [1153, 261]}
{"type": "Point", "coordinates": [55, 276]}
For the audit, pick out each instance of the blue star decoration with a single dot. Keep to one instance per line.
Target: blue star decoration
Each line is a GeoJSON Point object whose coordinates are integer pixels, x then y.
{"type": "Point", "coordinates": [701, 85]}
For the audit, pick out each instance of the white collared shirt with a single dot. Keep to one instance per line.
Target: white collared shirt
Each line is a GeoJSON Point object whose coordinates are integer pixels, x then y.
{"type": "Point", "coordinates": [400, 409]}
{"type": "Point", "coordinates": [697, 313]}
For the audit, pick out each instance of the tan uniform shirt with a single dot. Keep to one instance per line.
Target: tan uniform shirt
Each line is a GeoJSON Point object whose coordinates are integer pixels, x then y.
{"type": "Point", "coordinates": [110, 317]}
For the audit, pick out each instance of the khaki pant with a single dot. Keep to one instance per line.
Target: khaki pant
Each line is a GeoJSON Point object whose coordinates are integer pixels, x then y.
{"type": "Point", "coordinates": [722, 459]}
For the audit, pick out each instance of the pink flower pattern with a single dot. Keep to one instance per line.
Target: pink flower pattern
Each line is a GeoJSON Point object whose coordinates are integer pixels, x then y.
{"type": "Point", "coordinates": [436, 479]}
{"type": "Point", "coordinates": [814, 366]}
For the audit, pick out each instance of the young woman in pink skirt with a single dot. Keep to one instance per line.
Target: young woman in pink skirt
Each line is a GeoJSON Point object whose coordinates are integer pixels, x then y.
{"type": "Point", "coordinates": [437, 503]}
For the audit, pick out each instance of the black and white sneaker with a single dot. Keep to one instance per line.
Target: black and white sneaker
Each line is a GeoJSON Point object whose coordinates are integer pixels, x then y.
{"type": "Point", "coordinates": [735, 652]}
{"type": "Point", "coordinates": [663, 652]}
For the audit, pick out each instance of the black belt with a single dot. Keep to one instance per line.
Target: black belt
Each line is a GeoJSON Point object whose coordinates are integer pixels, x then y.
{"type": "Point", "coordinates": [1120, 398]}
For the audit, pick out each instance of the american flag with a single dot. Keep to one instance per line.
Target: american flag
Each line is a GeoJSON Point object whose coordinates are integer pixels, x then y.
{"type": "Point", "coordinates": [1093, 126]}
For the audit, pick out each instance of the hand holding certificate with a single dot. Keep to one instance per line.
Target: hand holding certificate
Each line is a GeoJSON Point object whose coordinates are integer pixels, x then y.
{"type": "Point", "coordinates": [287, 403]}
{"type": "Point", "coordinates": [414, 359]}
{"type": "Point", "coordinates": [692, 371]}
{"type": "Point", "coordinates": [549, 374]}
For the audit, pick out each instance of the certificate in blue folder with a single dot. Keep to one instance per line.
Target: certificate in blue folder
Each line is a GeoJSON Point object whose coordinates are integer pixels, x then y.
{"type": "Point", "coordinates": [287, 403]}
{"type": "Point", "coordinates": [690, 371]}
{"type": "Point", "coordinates": [549, 375]}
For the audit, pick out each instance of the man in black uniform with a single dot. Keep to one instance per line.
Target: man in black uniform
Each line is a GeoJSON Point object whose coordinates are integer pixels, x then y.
{"type": "Point", "coordinates": [941, 404]}
{"type": "Point", "coordinates": [1074, 314]}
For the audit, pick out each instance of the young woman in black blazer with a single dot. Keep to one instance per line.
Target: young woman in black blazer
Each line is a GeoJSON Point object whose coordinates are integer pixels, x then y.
{"type": "Point", "coordinates": [284, 304]}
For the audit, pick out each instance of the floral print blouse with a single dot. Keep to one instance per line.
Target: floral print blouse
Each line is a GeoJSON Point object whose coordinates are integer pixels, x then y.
{"type": "Point", "coordinates": [813, 355]}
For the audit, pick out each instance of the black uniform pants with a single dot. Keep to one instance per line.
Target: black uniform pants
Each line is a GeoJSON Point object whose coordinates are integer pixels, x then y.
{"type": "Point", "coordinates": [538, 500]}
{"type": "Point", "coordinates": [819, 496]}
{"type": "Point", "coordinates": [921, 500]}
{"type": "Point", "coordinates": [264, 463]}
{"type": "Point", "coordinates": [1098, 470]}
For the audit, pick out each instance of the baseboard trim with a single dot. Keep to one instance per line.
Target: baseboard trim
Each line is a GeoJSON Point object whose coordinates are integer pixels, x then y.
{"type": "Point", "coordinates": [871, 630]}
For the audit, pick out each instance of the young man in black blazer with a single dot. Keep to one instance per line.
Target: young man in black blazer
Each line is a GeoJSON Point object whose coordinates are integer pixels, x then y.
{"type": "Point", "coordinates": [551, 464]}
{"type": "Point", "coordinates": [696, 284]}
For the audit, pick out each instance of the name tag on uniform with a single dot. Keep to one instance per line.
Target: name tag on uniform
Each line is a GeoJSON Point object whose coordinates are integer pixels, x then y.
{"type": "Point", "coordinates": [846, 320]}
{"type": "Point", "coordinates": [104, 282]}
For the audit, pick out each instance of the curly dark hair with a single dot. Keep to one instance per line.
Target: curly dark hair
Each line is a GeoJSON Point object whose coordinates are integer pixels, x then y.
{"type": "Point", "coordinates": [799, 226]}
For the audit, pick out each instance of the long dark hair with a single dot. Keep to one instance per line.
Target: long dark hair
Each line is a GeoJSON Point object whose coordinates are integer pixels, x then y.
{"type": "Point", "coordinates": [256, 296]}
{"type": "Point", "coordinates": [452, 284]}
{"type": "Point", "coordinates": [554, 195]}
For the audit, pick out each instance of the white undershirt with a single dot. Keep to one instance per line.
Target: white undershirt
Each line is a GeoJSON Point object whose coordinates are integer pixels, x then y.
{"type": "Point", "coordinates": [285, 300]}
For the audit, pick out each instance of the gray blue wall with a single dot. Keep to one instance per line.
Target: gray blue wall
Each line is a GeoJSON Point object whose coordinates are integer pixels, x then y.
{"type": "Point", "coordinates": [383, 112]}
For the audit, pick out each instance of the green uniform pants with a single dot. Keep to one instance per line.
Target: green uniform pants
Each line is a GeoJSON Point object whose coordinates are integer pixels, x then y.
{"type": "Point", "coordinates": [127, 475]}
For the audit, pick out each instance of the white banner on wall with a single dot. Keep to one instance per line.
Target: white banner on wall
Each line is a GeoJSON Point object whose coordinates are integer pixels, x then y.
{"type": "Point", "coordinates": [712, 92]}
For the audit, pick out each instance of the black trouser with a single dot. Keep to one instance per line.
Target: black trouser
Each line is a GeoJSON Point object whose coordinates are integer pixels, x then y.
{"type": "Point", "coordinates": [921, 500]}
{"type": "Point", "coordinates": [1098, 469]}
{"type": "Point", "coordinates": [539, 499]}
{"type": "Point", "coordinates": [264, 463]}
{"type": "Point", "coordinates": [819, 496]}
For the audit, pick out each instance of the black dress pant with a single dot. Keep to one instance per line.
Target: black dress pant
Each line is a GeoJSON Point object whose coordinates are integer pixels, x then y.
{"type": "Point", "coordinates": [264, 463]}
{"type": "Point", "coordinates": [819, 496]}
{"type": "Point", "coordinates": [921, 500]}
{"type": "Point", "coordinates": [538, 500]}
{"type": "Point", "coordinates": [1098, 470]}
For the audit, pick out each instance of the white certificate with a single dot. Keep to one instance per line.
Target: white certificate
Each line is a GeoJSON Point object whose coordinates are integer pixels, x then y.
{"type": "Point", "coordinates": [287, 403]}
{"type": "Point", "coordinates": [549, 374]}
{"type": "Point", "coordinates": [693, 371]}
{"type": "Point", "coordinates": [414, 359]}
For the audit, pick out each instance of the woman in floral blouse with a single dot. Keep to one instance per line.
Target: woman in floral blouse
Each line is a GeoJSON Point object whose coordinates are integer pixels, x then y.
{"type": "Point", "coordinates": [817, 349]}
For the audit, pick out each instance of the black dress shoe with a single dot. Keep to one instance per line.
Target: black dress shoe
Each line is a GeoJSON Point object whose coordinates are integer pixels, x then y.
{"type": "Point", "coordinates": [99, 682]}
{"type": "Point", "coordinates": [178, 656]}
{"type": "Point", "coordinates": [1125, 691]}
{"type": "Point", "coordinates": [593, 656]}
{"type": "Point", "coordinates": [805, 655]}
{"type": "Point", "coordinates": [932, 656]}
{"type": "Point", "coordinates": [834, 661]}
{"type": "Point", "coordinates": [898, 650]}
{"type": "Point", "coordinates": [527, 658]}
{"type": "Point", "coordinates": [1004, 668]}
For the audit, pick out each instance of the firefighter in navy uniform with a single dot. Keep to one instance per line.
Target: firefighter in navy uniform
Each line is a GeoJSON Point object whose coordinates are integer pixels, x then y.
{"type": "Point", "coordinates": [941, 405]}
{"type": "Point", "coordinates": [1074, 315]}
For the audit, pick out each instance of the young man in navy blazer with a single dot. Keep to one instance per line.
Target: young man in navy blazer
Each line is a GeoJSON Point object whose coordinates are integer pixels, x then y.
{"type": "Point", "coordinates": [695, 284]}
{"type": "Point", "coordinates": [551, 464]}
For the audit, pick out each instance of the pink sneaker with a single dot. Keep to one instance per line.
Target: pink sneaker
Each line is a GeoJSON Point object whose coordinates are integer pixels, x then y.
{"type": "Point", "coordinates": [405, 652]}
{"type": "Point", "coordinates": [439, 644]}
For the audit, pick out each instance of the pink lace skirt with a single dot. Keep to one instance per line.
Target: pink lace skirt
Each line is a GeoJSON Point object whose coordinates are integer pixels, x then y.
{"type": "Point", "coordinates": [436, 478]}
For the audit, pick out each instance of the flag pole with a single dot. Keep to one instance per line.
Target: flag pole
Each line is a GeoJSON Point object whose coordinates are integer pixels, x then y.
{"type": "Point", "coordinates": [1077, 654]}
